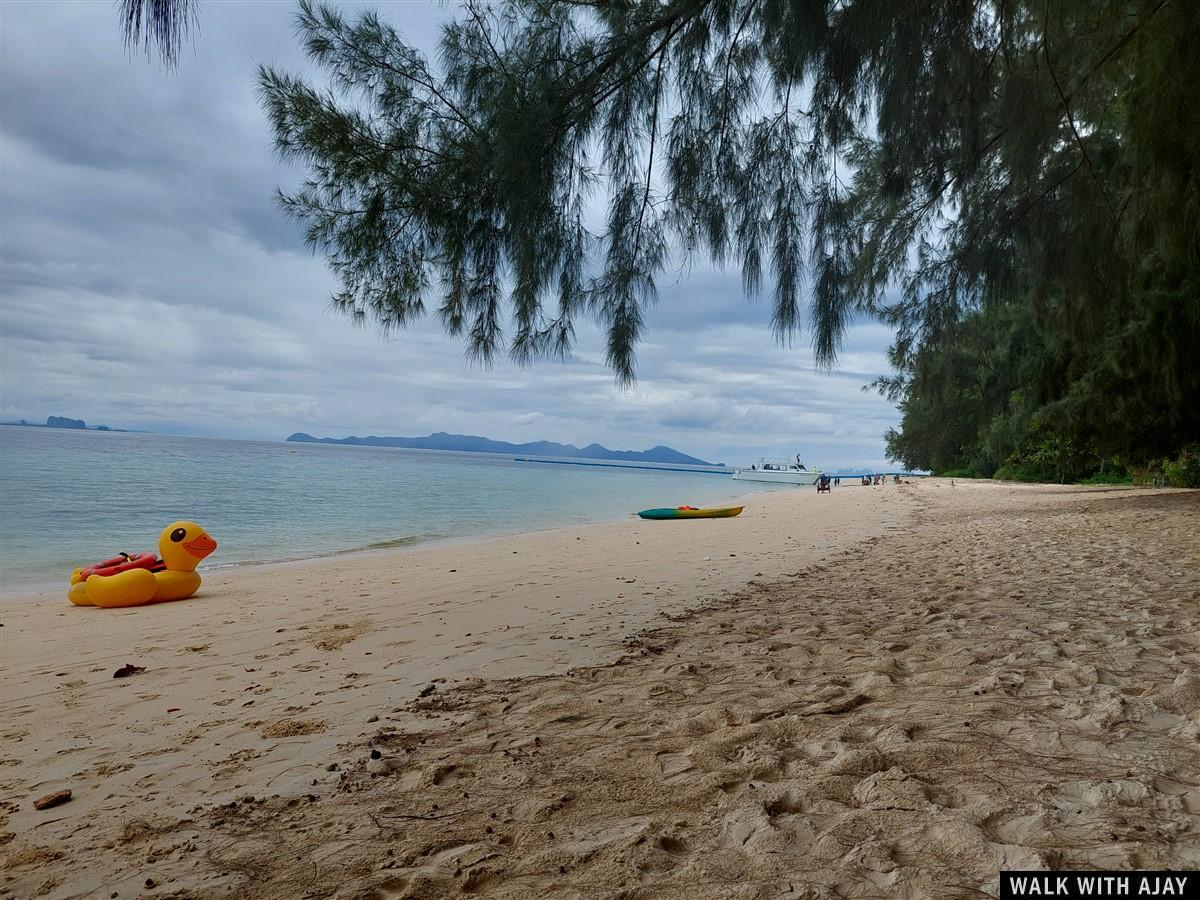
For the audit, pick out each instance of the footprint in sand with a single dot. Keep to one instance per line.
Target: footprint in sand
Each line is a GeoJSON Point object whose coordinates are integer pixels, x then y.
{"type": "Point", "coordinates": [338, 635]}
{"type": "Point", "coordinates": [284, 728]}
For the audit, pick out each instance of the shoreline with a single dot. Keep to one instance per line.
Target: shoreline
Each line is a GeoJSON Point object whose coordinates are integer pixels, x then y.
{"type": "Point", "coordinates": [252, 685]}
{"type": "Point", "coordinates": [21, 592]}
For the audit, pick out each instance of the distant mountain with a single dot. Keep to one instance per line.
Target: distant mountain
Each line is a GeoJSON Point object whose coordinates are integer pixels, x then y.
{"type": "Point", "coordinates": [475, 444]}
{"type": "Point", "coordinates": [63, 422]}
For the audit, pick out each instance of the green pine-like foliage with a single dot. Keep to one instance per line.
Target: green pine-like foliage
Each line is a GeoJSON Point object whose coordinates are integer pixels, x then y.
{"type": "Point", "coordinates": [164, 24]}
{"type": "Point", "coordinates": [1012, 185]}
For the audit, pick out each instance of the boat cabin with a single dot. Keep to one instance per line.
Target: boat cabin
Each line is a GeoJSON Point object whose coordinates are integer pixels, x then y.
{"type": "Point", "coordinates": [778, 464]}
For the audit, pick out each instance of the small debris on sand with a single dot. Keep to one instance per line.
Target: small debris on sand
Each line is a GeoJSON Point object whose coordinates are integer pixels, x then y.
{"type": "Point", "coordinates": [128, 669]}
{"type": "Point", "coordinates": [378, 764]}
{"type": "Point", "coordinates": [55, 799]}
{"type": "Point", "coordinates": [293, 728]}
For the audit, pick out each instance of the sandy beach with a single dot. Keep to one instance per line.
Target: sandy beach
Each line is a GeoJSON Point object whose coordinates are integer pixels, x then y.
{"type": "Point", "coordinates": [890, 691]}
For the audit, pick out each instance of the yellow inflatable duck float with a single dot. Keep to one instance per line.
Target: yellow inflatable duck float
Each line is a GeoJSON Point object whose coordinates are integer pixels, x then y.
{"type": "Point", "coordinates": [135, 579]}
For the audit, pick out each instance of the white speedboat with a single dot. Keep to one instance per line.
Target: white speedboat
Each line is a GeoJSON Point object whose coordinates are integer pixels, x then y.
{"type": "Point", "coordinates": [779, 471]}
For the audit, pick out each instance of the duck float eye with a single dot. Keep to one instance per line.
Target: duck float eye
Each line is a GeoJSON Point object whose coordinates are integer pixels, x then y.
{"type": "Point", "coordinates": [178, 534]}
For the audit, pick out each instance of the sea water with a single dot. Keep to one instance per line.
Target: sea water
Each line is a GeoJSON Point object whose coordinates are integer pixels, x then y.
{"type": "Point", "coordinates": [71, 497]}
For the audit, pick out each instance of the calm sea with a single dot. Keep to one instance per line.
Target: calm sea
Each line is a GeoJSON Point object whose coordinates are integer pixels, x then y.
{"type": "Point", "coordinates": [73, 497]}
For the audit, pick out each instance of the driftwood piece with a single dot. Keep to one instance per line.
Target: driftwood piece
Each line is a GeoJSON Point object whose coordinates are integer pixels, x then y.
{"type": "Point", "coordinates": [55, 799]}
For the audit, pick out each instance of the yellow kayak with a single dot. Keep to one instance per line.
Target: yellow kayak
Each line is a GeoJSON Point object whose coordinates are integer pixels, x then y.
{"type": "Point", "coordinates": [691, 512]}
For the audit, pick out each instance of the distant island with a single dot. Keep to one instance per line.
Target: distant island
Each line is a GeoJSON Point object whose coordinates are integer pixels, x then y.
{"type": "Point", "coordinates": [474, 444]}
{"type": "Point", "coordinates": [62, 422]}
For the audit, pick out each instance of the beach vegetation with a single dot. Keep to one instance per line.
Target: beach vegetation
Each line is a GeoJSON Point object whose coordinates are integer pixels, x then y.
{"type": "Point", "coordinates": [161, 24]}
{"type": "Point", "coordinates": [1184, 470]}
{"type": "Point", "coordinates": [1013, 187]}
{"type": "Point", "coordinates": [1112, 477]}
{"type": "Point", "coordinates": [958, 473]}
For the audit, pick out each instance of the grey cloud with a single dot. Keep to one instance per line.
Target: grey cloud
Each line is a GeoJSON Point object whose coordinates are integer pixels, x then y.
{"type": "Point", "coordinates": [149, 281]}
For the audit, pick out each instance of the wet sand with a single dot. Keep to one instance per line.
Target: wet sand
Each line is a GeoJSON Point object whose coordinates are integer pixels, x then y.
{"type": "Point", "coordinates": [893, 691]}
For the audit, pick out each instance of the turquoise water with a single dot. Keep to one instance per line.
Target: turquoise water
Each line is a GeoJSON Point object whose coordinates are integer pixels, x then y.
{"type": "Point", "coordinates": [73, 497]}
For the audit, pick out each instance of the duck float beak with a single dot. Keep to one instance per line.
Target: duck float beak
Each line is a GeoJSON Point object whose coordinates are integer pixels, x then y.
{"type": "Point", "coordinates": [201, 546]}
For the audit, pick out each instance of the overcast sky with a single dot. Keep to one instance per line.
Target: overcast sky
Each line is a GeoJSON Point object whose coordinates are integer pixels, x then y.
{"type": "Point", "coordinates": [150, 282]}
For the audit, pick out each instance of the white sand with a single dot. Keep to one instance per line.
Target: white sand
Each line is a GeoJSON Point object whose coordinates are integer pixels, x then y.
{"type": "Point", "coordinates": [890, 691]}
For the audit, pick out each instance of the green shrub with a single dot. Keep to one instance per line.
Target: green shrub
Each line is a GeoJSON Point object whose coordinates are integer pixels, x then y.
{"type": "Point", "coordinates": [1148, 475]}
{"type": "Point", "coordinates": [1184, 471]}
{"type": "Point", "coordinates": [1115, 476]}
{"type": "Point", "coordinates": [1024, 471]}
